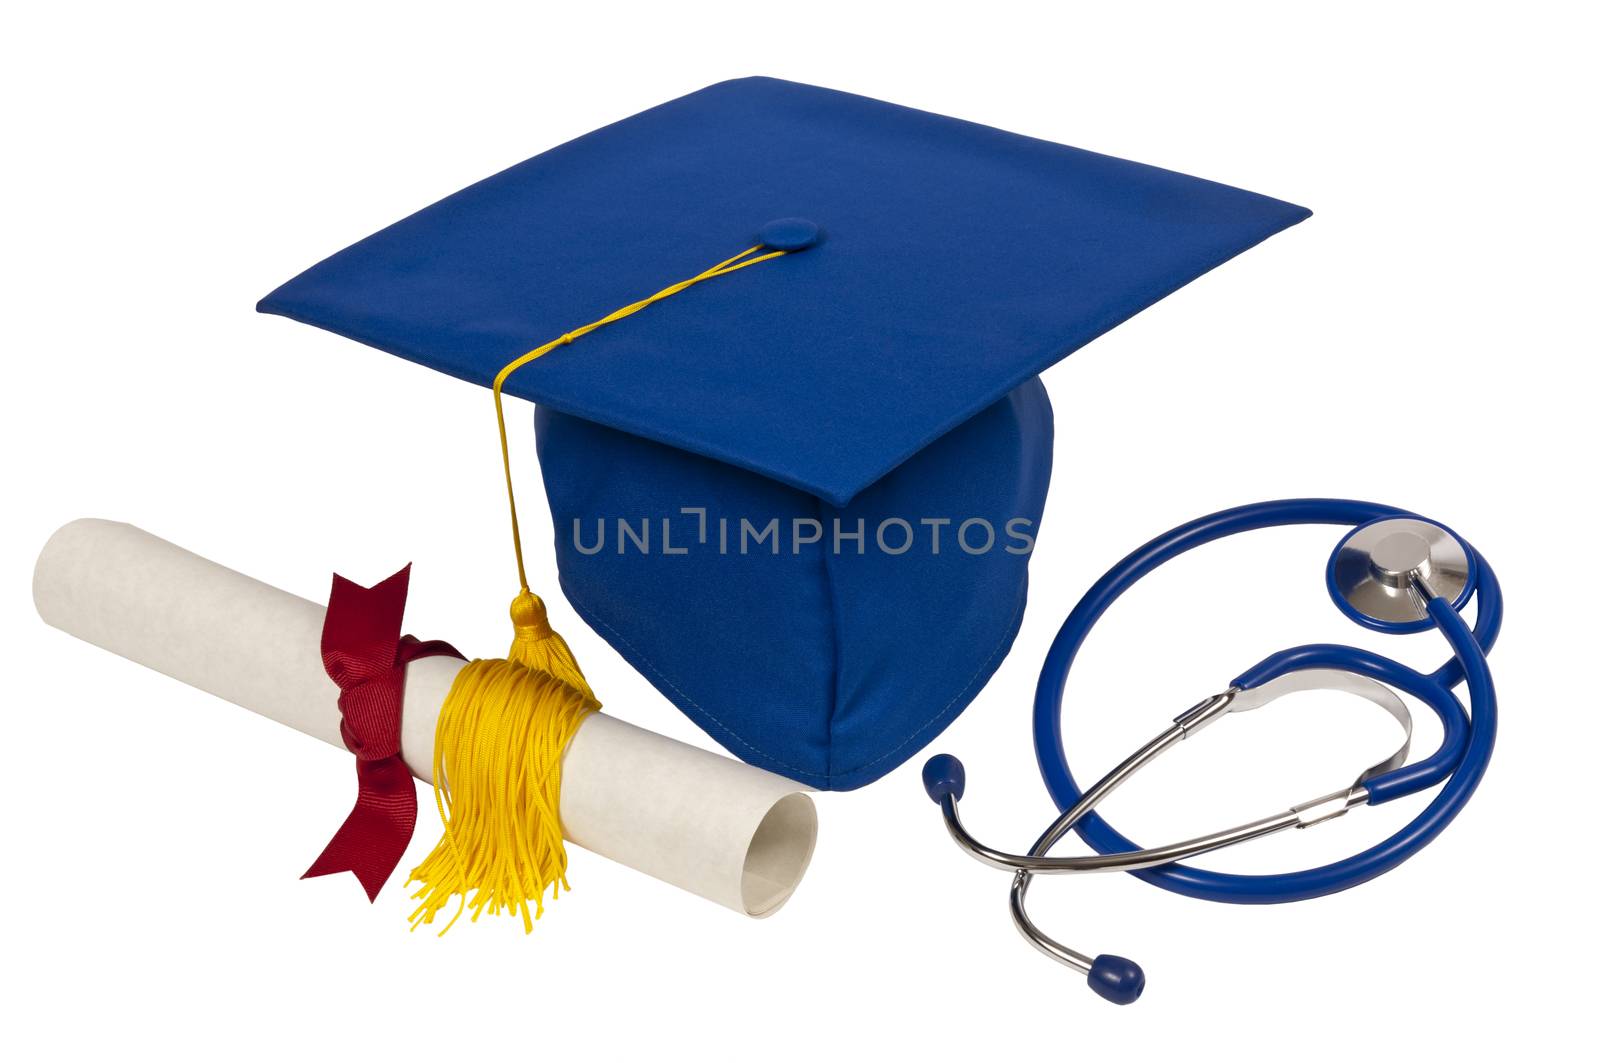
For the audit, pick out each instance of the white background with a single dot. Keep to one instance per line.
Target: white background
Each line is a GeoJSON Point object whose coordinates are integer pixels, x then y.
{"type": "Point", "coordinates": [1425, 340]}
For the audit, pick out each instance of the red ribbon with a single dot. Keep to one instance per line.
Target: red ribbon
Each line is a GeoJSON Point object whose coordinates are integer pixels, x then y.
{"type": "Point", "coordinates": [365, 654]}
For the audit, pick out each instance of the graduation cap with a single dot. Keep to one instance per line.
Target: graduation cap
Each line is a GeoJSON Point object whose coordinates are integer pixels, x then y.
{"type": "Point", "coordinates": [799, 496]}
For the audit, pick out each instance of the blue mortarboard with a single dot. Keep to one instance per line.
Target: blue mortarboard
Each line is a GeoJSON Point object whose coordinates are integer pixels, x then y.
{"type": "Point", "coordinates": [882, 379]}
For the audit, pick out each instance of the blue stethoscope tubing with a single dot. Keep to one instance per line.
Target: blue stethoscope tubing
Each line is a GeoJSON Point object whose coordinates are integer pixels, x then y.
{"type": "Point", "coordinates": [1459, 762]}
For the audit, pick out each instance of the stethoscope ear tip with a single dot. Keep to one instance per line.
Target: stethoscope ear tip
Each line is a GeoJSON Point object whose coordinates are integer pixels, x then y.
{"type": "Point", "coordinates": [944, 774]}
{"type": "Point", "coordinates": [1116, 978]}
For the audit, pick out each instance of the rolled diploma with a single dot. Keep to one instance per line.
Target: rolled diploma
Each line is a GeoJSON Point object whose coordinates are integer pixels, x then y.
{"type": "Point", "coordinates": [714, 826]}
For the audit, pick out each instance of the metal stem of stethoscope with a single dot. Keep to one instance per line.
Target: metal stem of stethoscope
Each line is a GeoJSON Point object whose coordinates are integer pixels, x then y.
{"type": "Point", "coordinates": [1115, 976]}
{"type": "Point", "coordinates": [1394, 573]}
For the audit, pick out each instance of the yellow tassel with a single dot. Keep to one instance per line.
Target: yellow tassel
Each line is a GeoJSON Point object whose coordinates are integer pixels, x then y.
{"type": "Point", "coordinates": [497, 752]}
{"type": "Point", "coordinates": [505, 725]}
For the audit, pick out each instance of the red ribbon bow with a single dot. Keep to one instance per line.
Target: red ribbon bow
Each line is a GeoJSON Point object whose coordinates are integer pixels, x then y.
{"type": "Point", "coordinates": [365, 654]}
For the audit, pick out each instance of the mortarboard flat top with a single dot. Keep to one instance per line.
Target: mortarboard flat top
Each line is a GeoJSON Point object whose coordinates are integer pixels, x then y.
{"type": "Point", "coordinates": [956, 262]}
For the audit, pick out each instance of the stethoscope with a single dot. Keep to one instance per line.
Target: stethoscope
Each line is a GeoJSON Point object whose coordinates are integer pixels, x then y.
{"type": "Point", "coordinates": [1394, 572]}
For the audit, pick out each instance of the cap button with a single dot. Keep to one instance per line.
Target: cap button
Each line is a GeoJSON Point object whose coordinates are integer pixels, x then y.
{"type": "Point", "coordinates": [790, 234]}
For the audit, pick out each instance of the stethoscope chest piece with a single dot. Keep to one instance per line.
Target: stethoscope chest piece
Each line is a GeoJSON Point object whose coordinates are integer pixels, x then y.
{"type": "Point", "coordinates": [1375, 570]}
